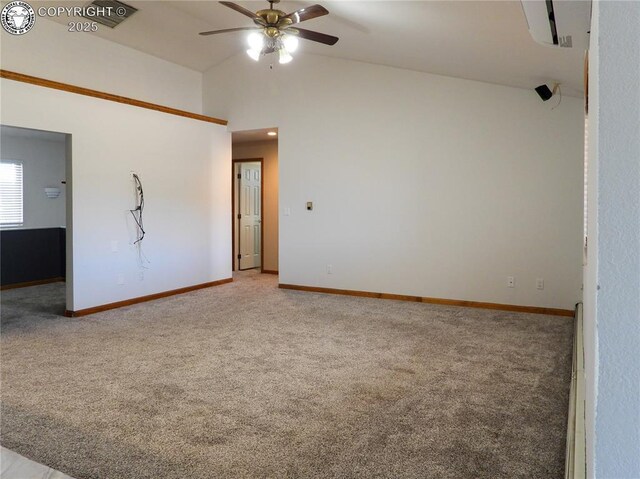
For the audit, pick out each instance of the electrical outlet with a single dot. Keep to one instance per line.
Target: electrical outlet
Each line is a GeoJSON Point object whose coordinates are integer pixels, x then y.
{"type": "Point", "coordinates": [329, 269]}
{"type": "Point", "coordinates": [120, 279]}
{"type": "Point", "coordinates": [540, 283]}
{"type": "Point", "coordinates": [287, 211]}
{"type": "Point", "coordinates": [511, 282]}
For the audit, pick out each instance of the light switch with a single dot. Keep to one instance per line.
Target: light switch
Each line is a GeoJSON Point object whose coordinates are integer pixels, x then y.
{"type": "Point", "coordinates": [287, 211]}
{"type": "Point", "coordinates": [309, 205]}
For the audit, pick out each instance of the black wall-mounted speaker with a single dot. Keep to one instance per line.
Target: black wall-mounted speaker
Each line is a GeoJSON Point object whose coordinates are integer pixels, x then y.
{"type": "Point", "coordinates": [544, 92]}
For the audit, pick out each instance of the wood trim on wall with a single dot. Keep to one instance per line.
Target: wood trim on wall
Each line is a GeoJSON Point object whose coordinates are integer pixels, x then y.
{"type": "Point", "coordinates": [420, 299]}
{"type": "Point", "coordinates": [26, 284]}
{"type": "Point", "coordinates": [234, 253]}
{"type": "Point", "coordinates": [269, 271]}
{"type": "Point", "coordinates": [21, 77]}
{"type": "Point", "coordinates": [142, 299]}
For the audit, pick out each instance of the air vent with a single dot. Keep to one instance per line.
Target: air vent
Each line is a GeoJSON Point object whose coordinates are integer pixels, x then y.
{"type": "Point", "coordinates": [566, 41]}
{"type": "Point", "coordinates": [109, 13]}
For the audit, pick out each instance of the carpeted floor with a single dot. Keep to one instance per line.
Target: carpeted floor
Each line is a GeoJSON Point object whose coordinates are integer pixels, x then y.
{"type": "Point", "coordinates": [248, 381]}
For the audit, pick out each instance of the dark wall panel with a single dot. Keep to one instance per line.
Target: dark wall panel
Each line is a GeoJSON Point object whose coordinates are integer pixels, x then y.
{"type": "Point", "coordinates": [32, 255]}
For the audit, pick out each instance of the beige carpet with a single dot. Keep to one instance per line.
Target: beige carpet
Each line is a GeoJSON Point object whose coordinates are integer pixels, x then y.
{"type": "Point", "coordinates": [248, 381]}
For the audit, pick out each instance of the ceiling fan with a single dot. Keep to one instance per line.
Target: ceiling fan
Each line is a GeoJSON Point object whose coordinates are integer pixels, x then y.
{"type": "Point", "coordinates": [273, 30]}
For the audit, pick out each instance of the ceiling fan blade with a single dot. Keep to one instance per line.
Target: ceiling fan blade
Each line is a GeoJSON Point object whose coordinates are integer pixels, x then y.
{"type": "Point", "coordinates": [226, 30]}
{"type": "Point", "coordinates": [244, 11]}
{"type": "Point", "coordinates": [307, 13]}
{"type": "Point", "coordinates": [315, 36]}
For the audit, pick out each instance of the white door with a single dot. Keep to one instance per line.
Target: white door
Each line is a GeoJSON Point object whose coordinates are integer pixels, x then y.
{"type": "Point", "coordinates": [250, 211]}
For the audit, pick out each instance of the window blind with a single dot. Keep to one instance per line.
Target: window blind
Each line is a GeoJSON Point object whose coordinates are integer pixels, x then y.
{"type": "Point", "coordinates": [11, 193]}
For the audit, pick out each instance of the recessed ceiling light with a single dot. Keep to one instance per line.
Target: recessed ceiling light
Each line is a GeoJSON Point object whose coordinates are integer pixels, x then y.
{"type": "Point", "coordinates": [272, 133]}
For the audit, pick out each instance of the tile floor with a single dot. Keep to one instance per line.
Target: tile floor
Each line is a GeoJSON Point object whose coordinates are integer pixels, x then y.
{"type": "Point", "coordinates": [15, 466]}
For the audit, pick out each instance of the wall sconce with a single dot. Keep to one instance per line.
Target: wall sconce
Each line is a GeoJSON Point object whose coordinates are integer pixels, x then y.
{"type": "Point", "coordinates": [52, 192]}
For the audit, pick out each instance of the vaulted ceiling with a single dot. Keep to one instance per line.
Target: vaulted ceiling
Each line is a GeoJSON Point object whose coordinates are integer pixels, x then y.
{"type": "Point", "coordinates": [478, 40]}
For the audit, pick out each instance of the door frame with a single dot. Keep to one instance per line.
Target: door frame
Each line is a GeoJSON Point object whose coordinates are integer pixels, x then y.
{"type": "Point", "coordinates": [234, 179]}
{"type": "Point", "coordinates": [67, 185]}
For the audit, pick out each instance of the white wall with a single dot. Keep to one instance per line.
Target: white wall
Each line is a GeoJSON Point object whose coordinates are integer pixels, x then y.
{"type": "Point", "coordinates": [268, 151]}
{"type": "Point", "coordinates": [49, 51]}
{"type": "Point", "coordinates": [590, 268]}
{"type": "Point", "coordinates": [612, 302]}
{"type": "Point", "coordinates": [422, 185]}
{"type": "Point", "coordinates": [43, 163]}
{"type": "Point", "coordinates": [185, 166]}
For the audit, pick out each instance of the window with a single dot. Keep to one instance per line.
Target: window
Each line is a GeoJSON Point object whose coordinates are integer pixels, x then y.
{"type": "Point", "coordinates": [11, 193]}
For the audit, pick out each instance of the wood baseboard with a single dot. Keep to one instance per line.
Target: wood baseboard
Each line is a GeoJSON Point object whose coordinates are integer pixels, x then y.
{"type": "Point", "coordinates": [26, 284]}
{"type": "Point", "coordinates": [442, 301]}
{"type": "Point", "coordinates": [270, 271]}
{"type": "Point", "coordinates": [142, 299]}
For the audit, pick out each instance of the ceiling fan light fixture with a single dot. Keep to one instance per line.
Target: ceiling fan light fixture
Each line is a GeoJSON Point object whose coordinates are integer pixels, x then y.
{"type": "Point", "coordinates": [256, 41]}
{"type": "Point", "coordinates": [290, 43]}
{"type": "Point", "coordinates": [253, 54]}
{"type": "Point", "coordinates": [270, 33]}
{"type": "Point", "coordinates": [285, 56]}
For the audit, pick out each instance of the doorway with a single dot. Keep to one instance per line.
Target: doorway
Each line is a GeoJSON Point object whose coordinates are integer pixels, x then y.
{"type": "Point", "coordinates": [248, 199]}
{"type": "Point", "coordinates": [258, 146]}
{"type": "Point", "coordinates": [35, 223]}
